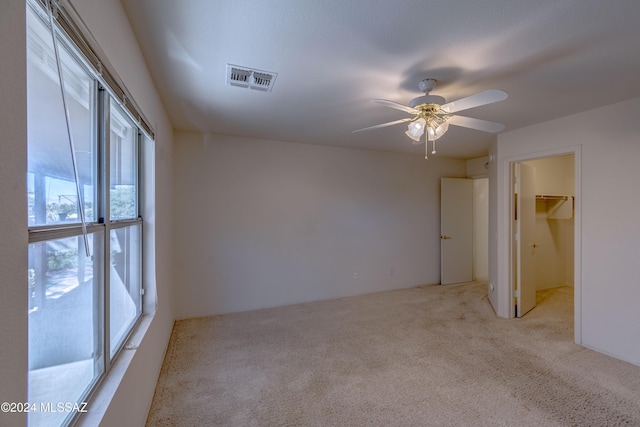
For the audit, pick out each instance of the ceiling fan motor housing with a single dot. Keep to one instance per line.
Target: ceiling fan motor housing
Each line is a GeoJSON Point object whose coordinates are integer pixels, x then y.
{"type": "Point", "coordinates": [426, 86]}
{"type": "Point", "coordinates": [427, 99]}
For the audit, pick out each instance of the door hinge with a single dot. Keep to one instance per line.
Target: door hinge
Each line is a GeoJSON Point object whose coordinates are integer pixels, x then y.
{"type": "Point", "coordinates": [516, 293]}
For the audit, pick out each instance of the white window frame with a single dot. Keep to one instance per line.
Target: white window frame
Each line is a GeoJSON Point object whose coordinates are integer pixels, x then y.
{"type": "Point", "coordinates": [103, 94]}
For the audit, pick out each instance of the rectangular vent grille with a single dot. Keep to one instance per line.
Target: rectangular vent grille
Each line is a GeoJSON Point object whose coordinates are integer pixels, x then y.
{"type": "Point", "coordinates": [239, 77]}
{"type": "Point", "coordinates": [250, 78]}
{"type": "Point", "coordinates": [261, 81]}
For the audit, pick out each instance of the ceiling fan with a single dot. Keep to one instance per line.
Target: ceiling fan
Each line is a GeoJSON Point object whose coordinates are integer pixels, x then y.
{"type": "Point", "coordinates": [432, 115]}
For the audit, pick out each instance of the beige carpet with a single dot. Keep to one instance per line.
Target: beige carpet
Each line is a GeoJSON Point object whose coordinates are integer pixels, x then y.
{"type": "Point", "coordinates": [429, 356]}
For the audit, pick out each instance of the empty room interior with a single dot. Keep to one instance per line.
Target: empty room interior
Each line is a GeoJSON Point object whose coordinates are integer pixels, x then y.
{"type": "Point", "coordinates": [319, 213]}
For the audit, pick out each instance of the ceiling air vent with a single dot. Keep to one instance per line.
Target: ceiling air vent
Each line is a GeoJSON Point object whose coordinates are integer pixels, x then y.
{"type": "Point", "coordinates": [237, 76]}
{"type": "Point", "coordinates": [250, 78]}
{"type": "Point", "coordinates": [261, 81]}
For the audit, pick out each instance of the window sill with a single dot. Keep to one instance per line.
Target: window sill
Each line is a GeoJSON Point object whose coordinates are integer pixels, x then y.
{"type": "Point", "coordinates": [99, 402]}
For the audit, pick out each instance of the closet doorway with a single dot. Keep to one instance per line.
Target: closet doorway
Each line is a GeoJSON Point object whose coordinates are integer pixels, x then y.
{"type": "Point", "coordinates": [543, 228]}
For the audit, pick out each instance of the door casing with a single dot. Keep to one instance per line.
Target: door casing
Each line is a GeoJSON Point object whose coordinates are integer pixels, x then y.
{"type": "Point", "coordinates": [503, 282]}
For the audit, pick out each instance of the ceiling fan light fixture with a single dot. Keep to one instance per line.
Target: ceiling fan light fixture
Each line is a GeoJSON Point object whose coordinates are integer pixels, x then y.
{"type": "Point", "coordinates": [436, 130]}
{"type": "Point", "coordinates": [415, 138]}
{"type": "Point", "coordinates": [416, 129]}
{"type": "Point", "coordinates": [431, 114]}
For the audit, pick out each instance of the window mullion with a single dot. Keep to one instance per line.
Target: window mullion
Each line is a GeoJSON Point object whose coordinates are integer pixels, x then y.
{"type": "Point", "coordinates": [139, 184]}
{"type": "Point", "coordinates": [104, 198]}
{"type": "Point", "coordinates": [140, 212]}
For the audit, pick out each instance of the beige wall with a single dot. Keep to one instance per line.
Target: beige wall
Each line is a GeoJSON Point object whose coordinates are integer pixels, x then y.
{"type": "Point", "coordinates": [607, 229]}
{"type": "Point", "coordinates": [13, 209]}
{"type": "Point", "coordinates": [480, 229]}
{"type": "Point", "coordinates": [266, 223]}
{"type": "Point", "coordinates": [478, 170]}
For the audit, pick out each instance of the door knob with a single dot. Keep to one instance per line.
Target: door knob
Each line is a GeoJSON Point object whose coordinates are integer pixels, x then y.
{"type": "Point", "coordinates": [445, 237]}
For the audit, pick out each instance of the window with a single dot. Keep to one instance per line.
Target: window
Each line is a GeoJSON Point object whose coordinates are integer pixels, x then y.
{"type": "Point", "coordinates": [85, 279]}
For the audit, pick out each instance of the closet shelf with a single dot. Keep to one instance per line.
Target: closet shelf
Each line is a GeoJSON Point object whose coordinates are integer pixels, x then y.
{"type": "Point", "coordinates": [559, 206]}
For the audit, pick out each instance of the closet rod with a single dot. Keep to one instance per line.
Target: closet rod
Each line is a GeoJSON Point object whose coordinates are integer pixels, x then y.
{"type": "Point", "coordinates": [552, 197]}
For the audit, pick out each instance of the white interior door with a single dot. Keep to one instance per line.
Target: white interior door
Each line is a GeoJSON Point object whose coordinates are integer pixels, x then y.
{"type": "Point", "coordinates": [525, 283]}
{"type": "Point", "coordinates": [456, 230]}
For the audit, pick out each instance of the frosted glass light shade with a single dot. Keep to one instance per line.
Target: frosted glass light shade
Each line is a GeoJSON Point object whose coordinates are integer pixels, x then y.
{"type": "Point", "coordinates": [435, 130]}
{"type": "Point", "coordinates": [416, 129]}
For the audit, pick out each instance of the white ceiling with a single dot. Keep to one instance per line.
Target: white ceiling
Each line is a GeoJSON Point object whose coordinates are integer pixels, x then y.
{"type": "Point", "coordinates": [553, 57]}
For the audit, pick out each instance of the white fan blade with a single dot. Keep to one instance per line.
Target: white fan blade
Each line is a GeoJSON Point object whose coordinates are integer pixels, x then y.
{"type": "Point", "coordinates": [482, 98]}
{"type": "Point", "coordinates": [385, 124]}
{"type": "Point", "coordinates": [395, 105]}
{"type": "Point", "coordinates": [478, 124]}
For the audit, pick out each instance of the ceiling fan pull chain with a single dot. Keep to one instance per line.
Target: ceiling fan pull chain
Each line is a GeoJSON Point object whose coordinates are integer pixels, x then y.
{"type": "Point", "coordinates": [434, 147]}
{"type": "Point", "coordinates": [426, 145]}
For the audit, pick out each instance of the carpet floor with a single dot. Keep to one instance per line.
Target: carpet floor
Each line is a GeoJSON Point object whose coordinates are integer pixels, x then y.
{"type": "Point", "coordinates": [427, 356]}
